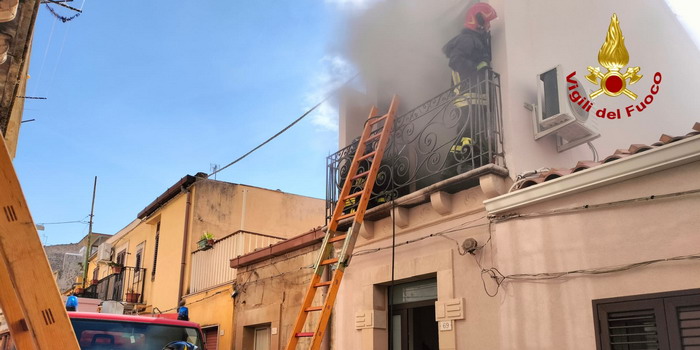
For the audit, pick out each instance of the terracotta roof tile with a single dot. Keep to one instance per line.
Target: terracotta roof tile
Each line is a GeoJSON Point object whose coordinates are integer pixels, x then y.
{"type": "Point", "coordinates": [585, 164]}
{"type": "Point", "coordinates": [638, 148]}
{"type": "Point", "coordinates": [620, 153]}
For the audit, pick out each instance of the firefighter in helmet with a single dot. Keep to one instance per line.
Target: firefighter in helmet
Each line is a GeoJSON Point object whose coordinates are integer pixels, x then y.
{"type": "Point", "coordinates": [469, 53]}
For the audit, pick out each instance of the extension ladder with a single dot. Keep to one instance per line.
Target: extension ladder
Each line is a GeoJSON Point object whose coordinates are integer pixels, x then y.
{"type": "Point", "coordinates": [377, 136]}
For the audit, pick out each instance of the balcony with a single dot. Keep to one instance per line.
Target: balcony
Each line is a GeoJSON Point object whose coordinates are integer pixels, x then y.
{"type": "Point", "coordinates": [126, 286]}
{"type": "Point", "coordinates": [449, 140]}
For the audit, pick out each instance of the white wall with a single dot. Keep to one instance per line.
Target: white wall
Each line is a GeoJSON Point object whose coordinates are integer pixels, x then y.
{"type": "Point", "coordinates": [531, 36]}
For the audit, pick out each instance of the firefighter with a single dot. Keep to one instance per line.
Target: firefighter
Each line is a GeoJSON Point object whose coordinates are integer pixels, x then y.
{"type": "Point", "coordinates": [470, 51]}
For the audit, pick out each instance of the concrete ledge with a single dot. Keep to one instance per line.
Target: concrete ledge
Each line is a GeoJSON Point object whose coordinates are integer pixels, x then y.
{"type": "Point", "coordinates": [658, 159]}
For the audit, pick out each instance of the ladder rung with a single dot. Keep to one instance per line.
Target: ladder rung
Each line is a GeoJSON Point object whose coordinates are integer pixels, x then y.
{"type": "Point", "coordinates": [359, 175]}
{"type": "Point", "coordinates": [358, 193]}
{"type": "Point", "coordinates": [368, 155]}
{"type": "Point", "coordinates": [329, 261]}
{"type": "Point", "coordinates": [313, 308]}
{"type": "Point", "coordinates": [377, 120]}
{"type": "Point", "coordinates": [337, 238]}
{"type": "Point", "coordinates": [346, 216]}
{"type": "Point", "coordinates": [304, 334]}
{"type": "Point", "coordinates": [322, 284]}
{"type": "Point", "coordinates": [375, 136]}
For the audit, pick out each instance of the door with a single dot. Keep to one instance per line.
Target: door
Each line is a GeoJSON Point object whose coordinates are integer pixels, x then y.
{"type": "Point", "coordinates": [413, 325]}
{"type": "Point", "coordinates": [262, 338]}
{"type": "Point", "coordinates": [211, 337]}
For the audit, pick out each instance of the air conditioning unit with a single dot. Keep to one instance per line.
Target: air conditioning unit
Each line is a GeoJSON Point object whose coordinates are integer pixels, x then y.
{"type": "Point", "coordinates": [104, 252]}
{"type": "Point", "coordinates": [555, 113]}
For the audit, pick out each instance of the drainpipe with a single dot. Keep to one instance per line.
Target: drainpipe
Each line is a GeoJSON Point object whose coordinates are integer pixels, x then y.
{"type": "Point", "coordinates": [185, 244]}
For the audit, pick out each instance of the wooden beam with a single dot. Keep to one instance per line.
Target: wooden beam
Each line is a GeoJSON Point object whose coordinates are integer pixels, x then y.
{"type": "Point", "coordinates": [29, 295]}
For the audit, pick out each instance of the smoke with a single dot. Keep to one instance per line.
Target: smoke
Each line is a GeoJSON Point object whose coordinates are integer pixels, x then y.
{"type": "Point", "coordinates": [396, 46]}
{"type": "Point", "coordinates": [335, 71]}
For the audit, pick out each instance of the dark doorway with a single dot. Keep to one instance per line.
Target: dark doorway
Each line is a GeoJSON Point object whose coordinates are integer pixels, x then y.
{"type": "Point", "coordinates": [413, 325]}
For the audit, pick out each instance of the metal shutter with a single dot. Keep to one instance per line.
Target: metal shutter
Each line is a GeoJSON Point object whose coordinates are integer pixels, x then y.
{"type": "Point", "coordinates": [211, 337]}
{"type": "Point", "coordinates": [633, 325]}
{"type": "Point", "coordinates": [683, 315]}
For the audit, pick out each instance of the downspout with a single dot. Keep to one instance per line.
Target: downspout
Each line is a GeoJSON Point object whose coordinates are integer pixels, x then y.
{"type": "Point", "coordinates": [185, 244]}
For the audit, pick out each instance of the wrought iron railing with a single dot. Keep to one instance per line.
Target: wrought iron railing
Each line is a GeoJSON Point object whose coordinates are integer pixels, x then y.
{"type": "Point", "coordinates": [126, 285]}
{"type": "Point", "coordinates": [456, 131]}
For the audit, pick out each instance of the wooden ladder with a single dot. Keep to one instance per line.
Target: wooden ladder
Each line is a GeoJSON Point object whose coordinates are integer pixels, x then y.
{"type": "Point", "coordinates": [374, 134]}
{"type": "Point", "coordinates": [29, 296]}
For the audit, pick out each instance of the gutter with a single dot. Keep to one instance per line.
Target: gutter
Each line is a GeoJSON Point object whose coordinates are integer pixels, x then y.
{"type": "Point", "coordinates": [668, 156]}
{"type": "Point", "coordinates": [169, 194]}
{"type": "Point", "coordinates": [185, 244]}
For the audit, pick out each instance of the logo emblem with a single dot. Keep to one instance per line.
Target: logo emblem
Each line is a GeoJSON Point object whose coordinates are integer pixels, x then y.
{"type": "Point", "coordinates": [613, 56]}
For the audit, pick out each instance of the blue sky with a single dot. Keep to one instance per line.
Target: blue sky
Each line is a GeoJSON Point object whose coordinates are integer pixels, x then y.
{"type": "Point", "coordinates": [141, 93]}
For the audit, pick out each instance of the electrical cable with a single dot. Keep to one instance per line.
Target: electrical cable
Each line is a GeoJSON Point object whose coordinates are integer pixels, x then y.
{"type": "Point", "coordinates": [595, 151]}
{"type": "Point", "coordinates": [502, 218]}
{"type": "Point", "coordinates": [332, 93]}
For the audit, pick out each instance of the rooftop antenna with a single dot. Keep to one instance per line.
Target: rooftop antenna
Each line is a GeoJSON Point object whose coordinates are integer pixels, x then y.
{"type": "Point", "coordinates": [214, 168]}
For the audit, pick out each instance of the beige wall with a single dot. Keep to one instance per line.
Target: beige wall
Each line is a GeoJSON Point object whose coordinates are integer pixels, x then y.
{"type": "Point", "coordinates": [222, 208]}
{"type": "Point", "coordinates": [364, 288]}
{"type": "Point", "coordinates": [214, 308]}
{"type": "Point", "coordinates": [656, 229]}
{"type": "Point", "coordinates": [270, 295]}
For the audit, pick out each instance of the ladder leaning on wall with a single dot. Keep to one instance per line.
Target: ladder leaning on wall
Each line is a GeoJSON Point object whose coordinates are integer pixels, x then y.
{"type": "Point", "coordinates": [370, 148]}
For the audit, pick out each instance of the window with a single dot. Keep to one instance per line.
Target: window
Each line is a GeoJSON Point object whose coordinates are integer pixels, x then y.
{"type": "Point", "coordinates": [661, 321]}
{"type": "Point", "coordinates": [155, 252]}
{"type": "Point", "coordinates": [138, 262]}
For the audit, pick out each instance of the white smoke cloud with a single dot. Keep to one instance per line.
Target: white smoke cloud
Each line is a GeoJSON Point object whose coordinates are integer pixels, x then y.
{"type": "Point", "coordinates": [335, 71]}
{"type": "Point", "coordinates": [360, 4]}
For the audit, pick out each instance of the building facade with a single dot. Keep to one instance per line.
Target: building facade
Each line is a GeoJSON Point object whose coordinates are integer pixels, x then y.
{"type": "Point", "coordinates": [161, 259]}
{"type": "Point", "coordinates": [522, 246]}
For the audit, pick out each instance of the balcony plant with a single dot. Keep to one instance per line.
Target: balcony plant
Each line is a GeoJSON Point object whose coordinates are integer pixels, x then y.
{"type": "Point", "coordinates": [206, 241]}
{"type": "Point", "coordinates": [132, 297]}
{"type": "Point", "coordinates": [116, 267]}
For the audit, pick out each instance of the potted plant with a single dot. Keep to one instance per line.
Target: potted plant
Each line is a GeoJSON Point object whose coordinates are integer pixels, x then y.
{"type": "Point", "coordinates": [206, 241]}
{"type": "Point", "coordinates": [94, 281]}
{"type": "Point", "coordinates": [132, 297]}
{"type": "Point", "coordinates": [116, 267]}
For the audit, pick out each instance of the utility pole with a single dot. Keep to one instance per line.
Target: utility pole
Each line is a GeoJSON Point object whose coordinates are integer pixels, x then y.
{"type": "Point", "coordinates": [89, 235]}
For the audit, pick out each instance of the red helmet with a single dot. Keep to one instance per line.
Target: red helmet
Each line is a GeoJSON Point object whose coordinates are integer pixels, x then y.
{"type": "Point", "coordinates": [479, 16]}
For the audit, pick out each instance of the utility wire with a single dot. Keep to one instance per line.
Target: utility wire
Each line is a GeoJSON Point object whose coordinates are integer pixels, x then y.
{"type": "Point", "coordinates": [283, 130]}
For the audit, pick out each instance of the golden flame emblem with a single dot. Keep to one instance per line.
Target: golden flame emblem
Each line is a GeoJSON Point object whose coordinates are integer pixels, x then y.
{"type": "Point", "coordinates": [613, 56]}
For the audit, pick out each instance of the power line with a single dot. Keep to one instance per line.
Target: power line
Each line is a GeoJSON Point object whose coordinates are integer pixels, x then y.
{"type": "Point", "coordinates": [283, 130]}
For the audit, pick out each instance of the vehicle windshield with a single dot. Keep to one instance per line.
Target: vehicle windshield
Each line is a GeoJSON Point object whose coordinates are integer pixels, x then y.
{"type": "Point", "coordinates": [118, 335]}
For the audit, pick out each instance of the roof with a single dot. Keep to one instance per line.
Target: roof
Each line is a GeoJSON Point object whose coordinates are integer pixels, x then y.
{"type": "Point", "coordinates": [618, 154]}
{"type": "Point", "coordinates": [169, 194]}
{"type": "Point", "coordinates": [130, 318]}
{"type": "Point", "coordinates": [304, 240]}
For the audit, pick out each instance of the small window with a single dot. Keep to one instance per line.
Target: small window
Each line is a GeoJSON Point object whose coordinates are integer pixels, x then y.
{"type": "Point", "coordinates": [155, 252]}
{"type": "Point", "coordinates": [661, 321]}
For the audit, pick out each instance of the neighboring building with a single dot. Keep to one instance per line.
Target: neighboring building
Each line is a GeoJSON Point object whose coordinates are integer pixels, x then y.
{"type": "Point", "coordinates": [490, 254]}
{"type": "Point", "coordinates": [164, 263]}
{"type": "Point", "coordinates": [269, 288]}
{"type": "Point", "coordinates": [17, 22]}
{"type": "Point", "coordinates": [67, 260]}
